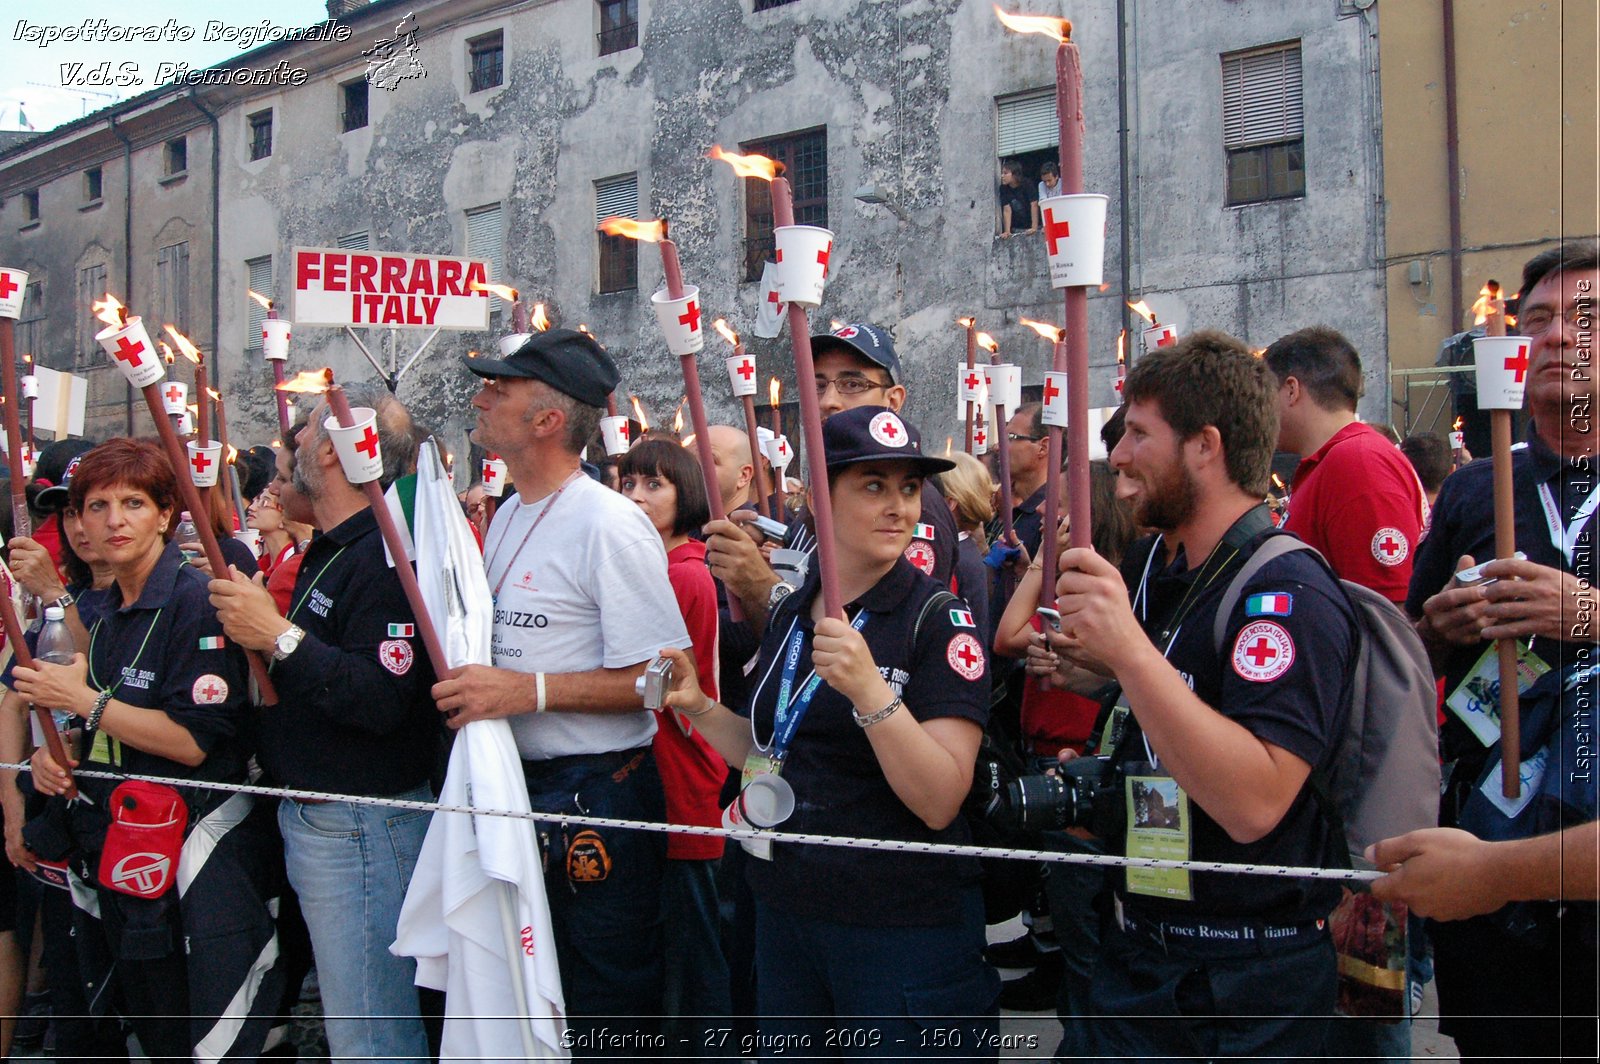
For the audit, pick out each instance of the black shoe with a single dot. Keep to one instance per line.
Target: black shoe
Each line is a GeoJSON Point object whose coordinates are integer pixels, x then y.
{"type": "Point", "coordinates": [33, 1021]}
{"type": "Point", "coordinates": [1038, 990]}
{"type": "Point", "coordinates": [1021, 952]}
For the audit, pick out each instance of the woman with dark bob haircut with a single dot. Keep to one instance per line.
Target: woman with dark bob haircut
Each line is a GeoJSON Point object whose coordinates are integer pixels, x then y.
{"type": "Point", "coordinates": [161, 692]}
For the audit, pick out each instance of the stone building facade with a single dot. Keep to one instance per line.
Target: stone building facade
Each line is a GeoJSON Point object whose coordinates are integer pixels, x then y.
{"type": "Point", "coordinates": [532, 118]}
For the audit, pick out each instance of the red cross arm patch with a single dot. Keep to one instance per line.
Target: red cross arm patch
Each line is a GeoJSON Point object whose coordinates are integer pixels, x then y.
{"type": "Point", "coordinates": [1263, 651]}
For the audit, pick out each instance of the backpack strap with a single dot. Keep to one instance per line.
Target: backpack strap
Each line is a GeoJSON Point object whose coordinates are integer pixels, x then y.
{"type": "Point", "coordinates": [1274, 548]}
{"type": "Point", "coordinates": [936, 600]}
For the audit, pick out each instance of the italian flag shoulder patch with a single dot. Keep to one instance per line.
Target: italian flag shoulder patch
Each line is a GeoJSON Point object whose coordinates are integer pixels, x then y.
{"type": "Point", "coordinates": [402, 631]}
{"type": "Point", "coordinates": [212, 642]}
{"type": "Point", "coordinates": [1272, 604]}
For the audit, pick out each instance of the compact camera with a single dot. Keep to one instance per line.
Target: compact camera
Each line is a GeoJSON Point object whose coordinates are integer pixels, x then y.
{"type": "Point", "coordinates": [655, 683]}
{"type": "Point", "coordinates": [776, 531]}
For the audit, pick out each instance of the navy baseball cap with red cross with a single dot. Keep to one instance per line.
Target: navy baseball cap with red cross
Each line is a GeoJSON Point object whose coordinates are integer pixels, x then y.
{"type": "Point", "coordinates": [868, 341]}
{"type": "Point", "coordinates": [876, 434]}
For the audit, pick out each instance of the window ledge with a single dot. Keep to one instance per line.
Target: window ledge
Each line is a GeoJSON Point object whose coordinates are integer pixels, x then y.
{"type": "Point", "coordinates": [93, 205]}
{"type": "Point", "coordinates": [28, 227]}
{"type": "Point", "coordinates": [1264, 202]}
{"type": "Point", "coordinates": [173, 179]}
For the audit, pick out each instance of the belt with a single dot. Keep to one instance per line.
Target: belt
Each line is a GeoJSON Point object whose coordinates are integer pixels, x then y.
{"type": "Point", "coordinates": [1222, 935]}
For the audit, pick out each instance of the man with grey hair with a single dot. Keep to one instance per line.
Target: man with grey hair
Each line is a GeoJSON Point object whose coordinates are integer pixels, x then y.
{"type": "Point", "coordinates": [581, 606]}
{"type": "Point", "coordinates": [354, 717]}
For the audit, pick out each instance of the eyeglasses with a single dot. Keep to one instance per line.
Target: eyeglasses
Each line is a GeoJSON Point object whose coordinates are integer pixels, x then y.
{"type": "Point", "coordinates": [1015, 436]}
{"type": "Point", "coordinates": [1578, 316]}
{"type": "Point", "coordinates": [849, 385]}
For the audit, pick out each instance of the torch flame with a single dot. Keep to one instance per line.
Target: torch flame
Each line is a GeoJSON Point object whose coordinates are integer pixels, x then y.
{"type": "Point", "coordinates": [677, 419]}
{"type": "Point", "coordinates": [585, 330]}
{"type": "Point", "coordinates": [259, 298]}
{"type": "Point", "coordinates": [1045, 329]}
{"type": "Point", "coordinates": [166, 352]}
{"type": "Point", "coordinates": [214, 394]}
{"type": "Point", "coordinates": [988, 343]}
{"type": "Point", "coordinates": [949, 442]}
{"type": "Point", "coordinates": [1484, 305]}
{"type": "Point", "coordinates": [309, 381]}
{"type": "Point", "coordinates": [540, 321]}
{"type": "Point", "coordinates": [1455, 426]}
{"type": "Point", "coordinates": [233, 454]}
{"type": "Point", "coordinates": [505, 292]}
{"type": "Point", "coordinates": [28, 359]}
{"type": "Point", "coordinates": [1058, 28]}
{"type": "Point", "coordinates": [191, 352]}
{"type": "Point", "coordinates": [638, 413]}
{"type": "Point", "coordinates": [111, 311]}
{"type": "Point", "coordinates": [1278, 483]}
{"type": "Point", "coordinates": [774, 390]}
{"type": "Point", "coordinates": [726, 333]}
{"type": "Point", "coordinates": [654, 230]}
{"type": "Point", "coordinates": [1122, 340]}
{"type": "Point", "coordinates": [1142, 309]}
{"type": "Point", "coordinates": [745, 165]}
{"type": "Point", "coordinates": [968, 322]}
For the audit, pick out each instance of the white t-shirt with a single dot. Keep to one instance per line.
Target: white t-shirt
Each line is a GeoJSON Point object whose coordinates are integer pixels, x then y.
{"type": "Point", "coordinates": [588, 590]}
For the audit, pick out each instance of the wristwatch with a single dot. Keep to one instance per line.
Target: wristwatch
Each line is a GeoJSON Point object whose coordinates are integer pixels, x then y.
{"type": "Point", "coordinates": [287, 642]}
{"type": "Point", "coordinates": [63, 602]}
{"type": "Point", "coordinates": [779, 592]}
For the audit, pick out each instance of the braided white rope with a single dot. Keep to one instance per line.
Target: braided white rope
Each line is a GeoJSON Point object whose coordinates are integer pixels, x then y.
{"type": "Point", "coordinates": [800, 838]}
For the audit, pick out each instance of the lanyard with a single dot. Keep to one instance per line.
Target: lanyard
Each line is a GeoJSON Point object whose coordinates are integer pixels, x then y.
{"type": "Point", "coordinates": [495, 595]}
{"type": "Point", "coordinates": [95, 634]}
{"type": "Point", "coordinates": [792, 708]}
{"type": "Point", "coordinates": [1563, 536]}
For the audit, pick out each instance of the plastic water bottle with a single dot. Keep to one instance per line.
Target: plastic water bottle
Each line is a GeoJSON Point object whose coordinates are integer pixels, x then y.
{"type": "Point", "coordinates": [186, 533]}
{"type": "Point", "coordinates": [55, 646]}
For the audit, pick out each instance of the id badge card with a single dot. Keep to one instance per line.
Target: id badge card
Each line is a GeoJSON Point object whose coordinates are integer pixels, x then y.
{"type": "Point", "coordinates": [1158, 827]}
{"type": "Point", "coordinates": [1476, 699]}
{"type": "Point", "coordinates": [755, 765]}
{"type": "Point", "coordinates": [1116, 724]}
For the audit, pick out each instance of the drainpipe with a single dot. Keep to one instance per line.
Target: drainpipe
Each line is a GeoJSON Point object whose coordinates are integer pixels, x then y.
{"type": "Point", "coordinates": [1123, 179]}
{"type": "Point", "coordinates": [1452, 155]}
{"type": "Point", "coordinates": [216, 230]}
{"type": "Point", "coordinates": [127, 246]}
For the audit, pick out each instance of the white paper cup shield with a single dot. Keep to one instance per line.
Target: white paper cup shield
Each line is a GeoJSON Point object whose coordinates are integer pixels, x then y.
{"type": "Point", "coordinates": [1055, 399]}
{"type": "Point", "coordinates": [1158, 336]}
{"type": "Point", "coordinates": [679, 320]}
{"type": "Point", "coordinates": [204, 463]}
{"type": "Point", "coordinates": [803, 262]}
{"type": "Point", "coordinates": [1502, 365]}
{"type": "Point", "coordinates": [1005, 385]}
{"type": "Point", "coordinates": [509, 343]}
{"type": "Point", "coordinates": [765, 802]}
{"type": "Point", "coordinates": [1074, 238]}
{"type": "Point", "coordinates": [1458, 440]}
{"type": "Point", "coordinates": [175, 397]}
{"type": "Point", "coordinates": [614, 433]}
{"type": "Point", "coordinates": [357, 446]}
{"type": "Point", "coordinates": [13, 288]}
{"type": "Point", "coordinates": [741, 374]}
{"type": "Point", "coordinates": [275, 339]}
{"type": "Point", "coordinates": [971, 384]}
{"type": "Point", "coordinates": [250, 537]}
{"type": "Point", "coordinates": [779, 453]}
{"type": "Point", "coordinates": [494, 477]}
{"type": "Point", "coordinates": [186, 424]}
{"type": "Point", "coordinates": [980, 439]}
{"type": "Point", "coordinates": [790, 565]}
{"type": "Point", "coordinates": [130, 350]}
{"type": "Point", "coordinates": [30, 386]}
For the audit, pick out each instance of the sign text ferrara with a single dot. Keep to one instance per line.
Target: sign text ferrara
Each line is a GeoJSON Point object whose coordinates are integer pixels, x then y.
{"type": "Point", "coordinates": [337, 287]}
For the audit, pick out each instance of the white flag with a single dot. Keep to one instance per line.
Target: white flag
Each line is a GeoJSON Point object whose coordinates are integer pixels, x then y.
{"type": "Point", "coordinates": [770, 314]}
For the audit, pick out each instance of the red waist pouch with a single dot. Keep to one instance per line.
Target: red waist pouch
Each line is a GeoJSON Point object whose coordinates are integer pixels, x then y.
{"type": "Point", "coordinates": [142, 844]}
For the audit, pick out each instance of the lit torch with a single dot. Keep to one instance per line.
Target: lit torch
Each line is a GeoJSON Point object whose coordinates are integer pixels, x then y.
{"type": "Point", "coordinates": [638, 415]}
{"type": "Point", "coordinates": [1158, 334]}
{"type": "Point", "coordinates": [1458, 443]}
{"type": "Point", "coordinates": [1489, 309]}
{"type": "Point", "coordinates": [202, 392]}
{"type": "Point", "coordinates": [764, 169]}
{"type": "Point", "coordinates": [236, 495]}
{"type": "Point", "coordinates": [969, 323]}
{"type": "Point", "coordinates": [1056, 420]}
{"type": "Point", "coordinates": [519, 316]}
{"type": "Point", "coordinates": [275, 335]}
{"type": "Point", "coordinates": [1122, 359]}
{"type": "Point", "coordinates": [1002, 448]}
{"type": "Point", "coordinates": [742, 379]}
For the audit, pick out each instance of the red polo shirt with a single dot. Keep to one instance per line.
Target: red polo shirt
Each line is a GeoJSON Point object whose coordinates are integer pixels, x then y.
{"type": "Point", "coordinates": [1359, 502]}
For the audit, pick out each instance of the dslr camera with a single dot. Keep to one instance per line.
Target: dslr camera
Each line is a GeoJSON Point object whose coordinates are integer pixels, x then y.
{"type": "Point", "coordinates": [655, 683]}
{"type": "Point", "coordinates": [1067, 799]}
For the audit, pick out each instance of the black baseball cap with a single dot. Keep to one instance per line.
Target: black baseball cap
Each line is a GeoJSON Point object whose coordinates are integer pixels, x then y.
{"type": "Point", "coordinates": [876, 434]}
{"type": "Point", "coordinates": [868, 341]}
{"type": "Point", "coordinates": [571, 362]}
{"type": "Point", "coordinates": [54, 469]}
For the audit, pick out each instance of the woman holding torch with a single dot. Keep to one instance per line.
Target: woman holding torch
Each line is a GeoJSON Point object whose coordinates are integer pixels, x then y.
{"type": "Point", "coordinates": [161, 692]}
{"type": "Point", "coordinates": [868, 726]}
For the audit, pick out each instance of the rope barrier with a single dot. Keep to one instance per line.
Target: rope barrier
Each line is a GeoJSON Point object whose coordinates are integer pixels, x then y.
{"type": "Point", "coordinates": [1348, 875]}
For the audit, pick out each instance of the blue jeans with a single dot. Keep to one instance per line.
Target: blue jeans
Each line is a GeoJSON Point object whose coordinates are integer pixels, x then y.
{"type": "Point", "coordinates": [828, 989]}
{"type": "Point", "coordinates": [350, 865]}
{"type": "Point", "coordinates": [604, 888]}
{"type": "Point", "coordinates": [696, 996]}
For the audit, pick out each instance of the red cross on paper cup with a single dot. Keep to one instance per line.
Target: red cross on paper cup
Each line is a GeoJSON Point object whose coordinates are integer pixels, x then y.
{"type": "Point", "coordinates": [29, 383]}
{"type": "Point", "coordinates": [357, 446]}
{"type": "Point", "coordinates": [804, 252]}
{"type": "Point", "coordinates": [275, 339]}
{"type": "Point", "coordinates": [494, 476]}
{"type": "Point", "coordinates": [129, 348]}
{"type": "Point", "coordinates": [1502, 370]}
{"type": "Point", "coordinates": [1074, 238]}
{"type": "Point", "coordinates": [971, 385]}
{"type": "Point", "coordinates": [1159, 335]}
{"type": "Point", "coordinates": [174, 397]}
{"type": "Point", "coordinates": [205, 463]}
{"type": "Point", "coordinates": [614, 434]}
{"type": "Point", "coordinates": [1054, 398]}
{"type": "Point", "coordinates": [13, 287]}
{"type": "Point", "coordinates": [679, 320]}
{"type": "Point", "coordinates": [741, 374]}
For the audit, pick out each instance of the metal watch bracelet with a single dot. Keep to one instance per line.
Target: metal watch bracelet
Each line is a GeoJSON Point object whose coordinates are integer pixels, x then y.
{"type": "Point", "coordinates": [883, 714]}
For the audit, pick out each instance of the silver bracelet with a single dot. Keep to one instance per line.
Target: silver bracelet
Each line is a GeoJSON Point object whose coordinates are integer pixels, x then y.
{"type": "Point", "coordinates": [883, 714]}
{"type": "Point", "coordinates": [98, 711]}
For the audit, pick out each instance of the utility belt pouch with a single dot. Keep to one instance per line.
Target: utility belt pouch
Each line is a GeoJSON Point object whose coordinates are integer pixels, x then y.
{"type": "Point", "coordinates": [144, 839]}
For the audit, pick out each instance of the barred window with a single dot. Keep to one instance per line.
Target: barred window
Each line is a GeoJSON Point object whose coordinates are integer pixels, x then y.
{"type": "Point", "coordinates": [486, 60]}
{"type": "Point", "coordinates": [619, 25]}
{"type": "Point", "coordinates": [260, 135]}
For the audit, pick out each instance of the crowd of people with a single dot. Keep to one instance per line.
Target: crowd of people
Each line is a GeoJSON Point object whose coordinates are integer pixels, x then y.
{"type": "Point", "coordinates": [657, 665]}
